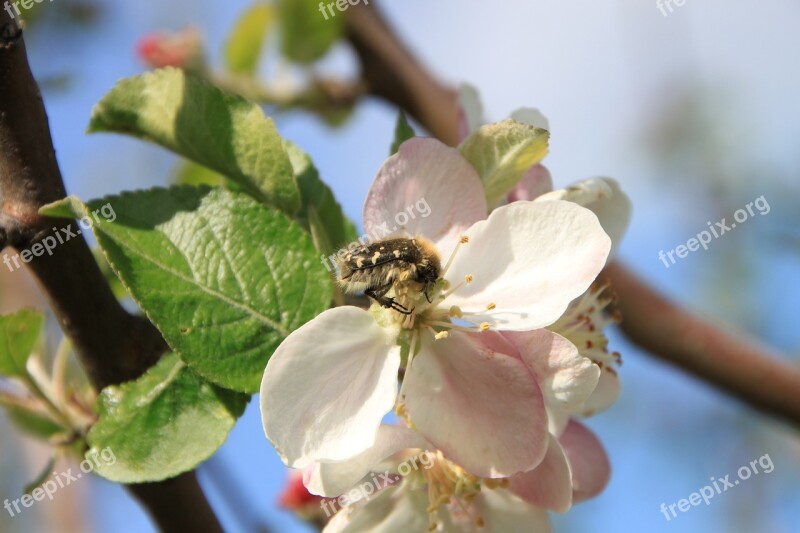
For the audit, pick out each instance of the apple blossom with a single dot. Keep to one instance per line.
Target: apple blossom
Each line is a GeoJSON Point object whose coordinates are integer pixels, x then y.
{"type": "Point", "coordinates": [329, 384]}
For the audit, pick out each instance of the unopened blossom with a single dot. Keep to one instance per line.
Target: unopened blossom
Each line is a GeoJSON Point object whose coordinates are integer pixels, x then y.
{"type": "Point", "coordinates": [329, 384]}
{"type": "Point", "coordinates": [183, 49]}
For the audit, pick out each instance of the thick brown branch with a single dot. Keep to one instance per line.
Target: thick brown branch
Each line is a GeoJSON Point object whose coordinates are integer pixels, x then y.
{"type": "Point", "coordinates": [112, 345]}
{"type": "Point", "coordinates": [723, 358]}
{"type": "Point", "coordinates": [668, 332]}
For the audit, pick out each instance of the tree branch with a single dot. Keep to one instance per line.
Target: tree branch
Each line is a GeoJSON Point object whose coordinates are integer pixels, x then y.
{"type": "Point", "coordinates": [112, 345]}
{"type": "Point", "coordinates": [668, 332]}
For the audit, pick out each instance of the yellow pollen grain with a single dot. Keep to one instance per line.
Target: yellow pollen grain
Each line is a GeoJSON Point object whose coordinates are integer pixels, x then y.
{"type": "Point", "coordinates": [455, 311]}
{"type": "Point", "coordinates": [442, 335]}
{"type": "Point", "coordinates": [468, 278]}
{"type": "Point", "coordinates": [490, 307]}
{"type": "Point", "coordinates": [484, 326]}
{"type": "Point", "coordinates": [464, 239]}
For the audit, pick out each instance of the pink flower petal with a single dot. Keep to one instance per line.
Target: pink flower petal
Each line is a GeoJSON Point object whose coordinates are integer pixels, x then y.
{"type": "Point", "coordinates": [604, 395]}
{"type": "Point", "coordinates": [327, 387]}
{"type": "Point", "coordinates": [534, 183]}
{"type": "Point", "coordinates": [591, 469]}
{"type": "Point", "coordinates": [566, 377]}
{"type": "Point", "coordinates": [426, 188]}
{"type": "Point", "coordinates": [549, 485]}
{"type": "Point", "coordinates": [480, 406]}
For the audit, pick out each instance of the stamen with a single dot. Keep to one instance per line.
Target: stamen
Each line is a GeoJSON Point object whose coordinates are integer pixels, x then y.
{"type": "Point", "coordinates": [484, 326]}
{"type": "Point", "coordinates": [491, 306]}
{"type": "Point", "coordinates": [442, 335]}
{"type": "Point", "coordinates": [411, 347]}
{"type": "Point", "coordinates": [468, 278]}
{"type": "Point", "coordinates": [455, 311]}
{"type": "Point", "coordinates": [463, 240]}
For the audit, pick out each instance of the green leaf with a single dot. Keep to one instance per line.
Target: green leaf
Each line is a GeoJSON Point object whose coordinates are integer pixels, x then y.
{"type": "Point", "coordinates": [224, 278]}
{"type": "Point", "coordinates": [243, 48]}
{"type": "Point", "coordinates": [18, 335]}
{"type": "Point", "coordinates": [161, 425]}
{"type": "Point", "coordinates": [502, 153]}
{"type": "Point", "coordinates": [35, 424]}
{"type": "Point", "coordinates": [42, 477]}
{"type": "Point", "coordinates": [306, 32]}
{"type": "Point", "coordinates": [402, 132]}
{"type": "Point", "coordinates": [190, 173]}
{"type": "Point", "coordinates": [221, 131]}
{"type": "Point", "coordinates": [320, 212]}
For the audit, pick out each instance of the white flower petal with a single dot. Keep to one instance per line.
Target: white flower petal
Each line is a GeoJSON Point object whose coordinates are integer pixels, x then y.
{"type": "Point", "coordinates": [395, 509]}
{"type": "Point", "coordinates": [567, 378]}
{"type": "Point", "coordinates": [531, 116]}
{"type": "Point", "coordinates": [605, 198]}
{"type": "Point", "coordinates": [327, 386]}
{"type": "Point", "coordinates": [435, 183]}
{"type": "Point", "coordinates": [530, 259]}
{"type": "Point", "coordinates": [503, 512]}
{"type": "Point", "coordinates": [470, 110]}
{"type": "Point", "coordinates": [604, 395]}
{"type": "Point", "coordinates": [479, 405]}
{"type": "Point", "coordinates": [557, 420]}
{"type": "Point", "coordinates": [333, 479]}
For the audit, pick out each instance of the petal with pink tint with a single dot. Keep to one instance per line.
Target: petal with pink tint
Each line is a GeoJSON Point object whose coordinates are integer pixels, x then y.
{"type": "Point", "coordinates": [426, 188]}
{"type": "Point", "coordinates": [327, 387]}
{"type": "Point", "coordinates": [567, 378]}
{"type": "Point", "coordinates": [504, 512]}
{"type": "Point", "coordinates": [605, 198]}
{"type": "Point", "coordinates": [604, 395]}
{"type": "Point", "coordinates": [529, 259]}
{"type": "Point", "coordinates": [333, 479]}
{"type": "Point", "coordinates": [479, 405]}
{"type": "Point", "coordinates": [591, 469]}
{"type": "Point", "coordinates": [549, 485]}
{"type": "Point", "coordinates": [534, 183]}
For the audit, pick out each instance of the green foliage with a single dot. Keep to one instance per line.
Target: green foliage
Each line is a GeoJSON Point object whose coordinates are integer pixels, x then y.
{"type": "Point", "coordinates": [306, 35]}
{"type": "Point", "coordinates": [161, 425]}
{"type": "Point", "coordinates": [502, 153]}
{"type": "Point", "coordinates": [19, 333]}
{"type": "Point", "coordinates": [402, 132]}
{"type": "Point", "coordinates": [243, 48]}
{"type": "Point", "coordinates": [320, 212]}
{"type": "Point", "coordinates": [223, 132]}
{"type": "Point", "coordinates": [224, 278]}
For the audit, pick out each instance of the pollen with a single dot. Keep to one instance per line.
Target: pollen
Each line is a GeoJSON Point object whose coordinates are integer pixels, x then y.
{"type": "Point", "coordinates": [484, 326]}
{"type": "Point", "coordinates": [491, 306]}
{"type": "Point", "coordinates": [455, 311]}
{"type": "Point", "coordinates": [464, 239]}
{"type": "Point", "coordinates": [441, 335]}
{"type": "Point", "coordinates": [468, 278]}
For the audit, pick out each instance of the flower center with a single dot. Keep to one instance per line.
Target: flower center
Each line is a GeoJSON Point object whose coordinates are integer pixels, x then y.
{"type": "Point", "coordinates": [584, 322]}
{"type": "Point", "coordinates": [450, 484]}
